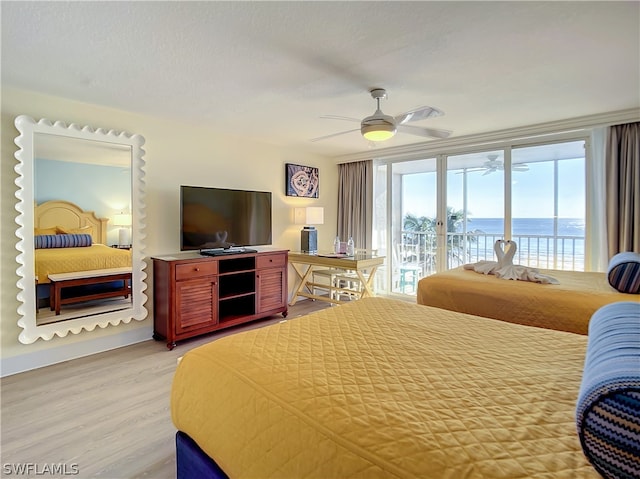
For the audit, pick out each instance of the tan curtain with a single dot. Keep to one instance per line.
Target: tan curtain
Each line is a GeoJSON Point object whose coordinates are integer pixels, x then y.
{"type": "Point", "coordinates": [355, 200]}
{"type": "Point", "coordinates": [623, 188]}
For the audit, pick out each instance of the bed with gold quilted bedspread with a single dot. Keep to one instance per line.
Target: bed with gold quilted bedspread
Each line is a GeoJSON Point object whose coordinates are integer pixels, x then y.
{"type": "Point", "coordinates": [380, 388]}
{"type": "Point", "coordinates": [566, 306]}
{"type": "Point", "coordinates": [67, 260]}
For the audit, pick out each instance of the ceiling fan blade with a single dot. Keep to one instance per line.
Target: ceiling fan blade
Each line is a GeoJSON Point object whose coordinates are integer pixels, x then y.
{"type": "Point", "coordinates": [521, 167]}
{"type": "Point", "coordinates": [417, 114]}
{"type": "Point", "coordinates": [426, 132]}
{"type": "Point", "coordinates": [490, 170]}
{"type": "Point", "coordinates": [334, 134]}
{"type": "Point", "coordinates": [336, 117]}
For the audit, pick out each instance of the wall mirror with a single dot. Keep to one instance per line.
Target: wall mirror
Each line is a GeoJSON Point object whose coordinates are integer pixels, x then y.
{"type": "Point", "coordinates": [80, 228]}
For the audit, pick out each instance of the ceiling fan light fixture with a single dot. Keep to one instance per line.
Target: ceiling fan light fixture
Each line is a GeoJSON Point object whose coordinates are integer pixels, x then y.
{"type": "Point", "coordinates": [378, 133]}
{"type": "Point", "coordinates": [378, 127]}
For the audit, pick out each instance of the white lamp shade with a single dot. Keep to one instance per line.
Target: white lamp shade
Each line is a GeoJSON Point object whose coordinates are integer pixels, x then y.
{"type": "Point", "coordinates": [124, 235]}
{"type": "Point", "coordinates": [122, 220]}
{"type": "Point", "coordinates": [311, 215]}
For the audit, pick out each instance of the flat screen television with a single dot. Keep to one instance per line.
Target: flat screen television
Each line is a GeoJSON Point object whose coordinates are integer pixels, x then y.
{"type": "Point", "coordinates": [218, 218]}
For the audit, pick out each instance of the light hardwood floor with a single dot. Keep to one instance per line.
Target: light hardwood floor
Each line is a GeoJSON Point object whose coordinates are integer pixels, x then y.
{"type": "Point", "coordinates": [106, 415]}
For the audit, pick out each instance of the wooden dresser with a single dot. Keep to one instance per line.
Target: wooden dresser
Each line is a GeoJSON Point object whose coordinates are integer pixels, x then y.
{"type": "Point", "coordinates": [194, 294]}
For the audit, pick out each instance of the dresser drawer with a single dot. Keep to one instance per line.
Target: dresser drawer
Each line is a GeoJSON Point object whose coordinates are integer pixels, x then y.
{"type": "Point", "coordinates": [270, 261]}
{"type": "Point", "coordinates": [195, 270]}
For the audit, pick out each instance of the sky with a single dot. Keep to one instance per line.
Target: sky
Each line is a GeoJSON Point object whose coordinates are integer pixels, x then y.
{"type": "Point", "coordinates": [532, 192]}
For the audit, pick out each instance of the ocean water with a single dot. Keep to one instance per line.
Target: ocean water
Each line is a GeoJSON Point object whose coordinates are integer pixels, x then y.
{"type": "Point", "coordinates": [528, 226]}
{"type": "Point", "coordinates": [534, 239]}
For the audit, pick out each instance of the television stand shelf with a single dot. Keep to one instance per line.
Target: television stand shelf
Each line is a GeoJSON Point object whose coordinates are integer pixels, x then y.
{"type": "Point", "coordinates": [194, 294]}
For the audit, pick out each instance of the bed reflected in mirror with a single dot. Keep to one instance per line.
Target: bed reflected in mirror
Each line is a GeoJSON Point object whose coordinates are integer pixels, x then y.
{"type": "Point", "coordinates": [82, 217]}
{"type": "Point", "coordinates": [81, 187]}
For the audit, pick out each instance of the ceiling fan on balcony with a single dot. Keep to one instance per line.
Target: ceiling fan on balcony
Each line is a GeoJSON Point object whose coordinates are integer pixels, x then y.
{"type": "Point", "coordinates": [493, 164]}
{"type": "Point", "coordinates": [380, 127]}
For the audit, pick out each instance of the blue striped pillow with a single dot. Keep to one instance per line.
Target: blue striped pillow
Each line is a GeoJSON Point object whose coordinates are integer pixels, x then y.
{"type": "Point", "coordinates": [608, 407]}
{"type": "Point", "coordinates": [624, 272]}
{"type": "Point", "coordinates": [62, 241]}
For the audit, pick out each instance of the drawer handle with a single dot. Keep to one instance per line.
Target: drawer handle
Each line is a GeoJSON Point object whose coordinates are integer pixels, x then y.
{"type": "Point", "coordinates": [196, 269]}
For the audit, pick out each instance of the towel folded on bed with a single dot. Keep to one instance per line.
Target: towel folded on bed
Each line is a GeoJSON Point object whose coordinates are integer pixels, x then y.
{"type": "Point", "coordinates": [524, 273]}
{"type": "Point", "coordinates": [504, 250]}
{"type": "Point", "coordinates": [504, 267]}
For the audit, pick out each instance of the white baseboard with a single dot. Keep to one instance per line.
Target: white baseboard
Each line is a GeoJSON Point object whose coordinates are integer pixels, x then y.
{"type": "Point", "coordinates": [47, 357]}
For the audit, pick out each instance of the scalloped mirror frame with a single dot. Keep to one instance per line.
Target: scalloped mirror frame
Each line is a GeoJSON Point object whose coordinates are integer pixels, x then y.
{"type": "Point", "coordinates": [31, 331]}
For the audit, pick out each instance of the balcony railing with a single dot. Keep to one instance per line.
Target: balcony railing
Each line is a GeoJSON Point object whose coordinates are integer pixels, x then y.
{"type": "Point", "coordinates": [538, 251]}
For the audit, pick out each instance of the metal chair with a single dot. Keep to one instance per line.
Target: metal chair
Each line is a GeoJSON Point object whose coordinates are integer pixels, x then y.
{"type": "Point", "coordinates": [406, 273]}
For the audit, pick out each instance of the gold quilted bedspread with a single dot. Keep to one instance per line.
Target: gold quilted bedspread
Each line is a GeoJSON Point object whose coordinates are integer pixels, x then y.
{"type": "Point", "coordinates": [380, 388]}
{"type": "Point", "coordinates": [66, 260]}
{"type": "Point", "coordinates": [567, 306]}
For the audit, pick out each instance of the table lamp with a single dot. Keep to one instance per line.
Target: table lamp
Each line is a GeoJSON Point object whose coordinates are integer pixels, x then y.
{"type": "Point", "coordinates": [124, 234]}
{"type": "Point", "coordinates": [309, 216]}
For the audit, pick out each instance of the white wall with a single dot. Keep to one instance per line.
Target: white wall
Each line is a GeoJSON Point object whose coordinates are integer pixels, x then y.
{"type": "Point", "coordinates": [176, 153]}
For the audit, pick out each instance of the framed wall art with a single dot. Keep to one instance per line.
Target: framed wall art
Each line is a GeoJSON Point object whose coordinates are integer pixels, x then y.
{"type": "Point", "coordinates": [302, 181]}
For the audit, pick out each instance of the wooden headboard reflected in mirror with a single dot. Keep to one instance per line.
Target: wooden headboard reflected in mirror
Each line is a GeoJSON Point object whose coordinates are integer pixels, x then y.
{"type": "Point", "coordinates": [61, 213]}
{"type": "Point", "coordinates": [60, 207]}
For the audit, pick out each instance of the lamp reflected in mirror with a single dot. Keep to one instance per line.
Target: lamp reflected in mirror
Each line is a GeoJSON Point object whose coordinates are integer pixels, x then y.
{"type": "Point", "coordinates": [124, 233]}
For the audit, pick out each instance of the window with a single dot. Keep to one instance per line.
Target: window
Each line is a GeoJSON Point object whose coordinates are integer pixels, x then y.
{"type": "Point", "coordinates": [548, 206]}
{"type": "Point", "coordinates": [449, 210]}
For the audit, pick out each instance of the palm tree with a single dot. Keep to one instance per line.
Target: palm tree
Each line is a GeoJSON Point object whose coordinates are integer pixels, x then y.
{"type": "Point", "coordinates": [420, 224]}
{"type": "Point", "coordinates": [456, 243]}
{"type": "Point", "coordinates": [423, 224]}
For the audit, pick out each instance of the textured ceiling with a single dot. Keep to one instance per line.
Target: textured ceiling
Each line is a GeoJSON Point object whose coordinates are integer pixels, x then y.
{"type": "Point", "coordinates": [269, 70]}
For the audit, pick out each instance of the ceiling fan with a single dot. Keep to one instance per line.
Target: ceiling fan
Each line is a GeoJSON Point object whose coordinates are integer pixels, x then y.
{"type": "Point", "coordinates": [493, 164]}
{"type": "Point", "coordinates": [380, 127]}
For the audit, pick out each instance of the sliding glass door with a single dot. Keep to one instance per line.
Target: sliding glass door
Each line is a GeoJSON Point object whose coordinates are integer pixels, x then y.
{"type": "Point", "coordinates": [475, 206]}
{"type": "Point", "coordinates": [414, 235]}
{"type": "Point", "coordinates": [405, 222]}
{"type": "Point", "coordinates": [442, 212]}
